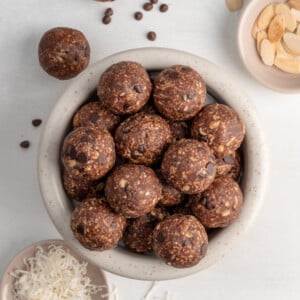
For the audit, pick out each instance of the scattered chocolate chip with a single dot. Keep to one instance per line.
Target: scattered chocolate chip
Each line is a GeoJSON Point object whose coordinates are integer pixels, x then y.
{"type": "Point", "coordinates": [151, 36]}
{"type": "Point", "coordinates": [106, 20]}
{"type": "Point", "coordinates": [141, 149]}
{"type": "Point", "coordinates": [163, 8]}
{"type": "Point", "coordinates": [94, 117]}
{"type": "Point", "coordinates": [202, 175]}
{"type": "Point", "coordinates": [210, 168]}
{"type": "Point", "coordinates": [80, 229]}
{"type": "Point", "coordinates": [147, 6]}
{"type": "Point", "coordinates": [203, 200]}
{"type": "Point", "coordinates": [153, 1]}
{"type": "Point", "coordinates": [36, 122]}
{"type": "Point", "coordinates": [228, 159]}
{"type": "Point", "coordinates": [109, 12]}
{"type": "Point", "coordinates": [190, 96]}
{"type": "Point", "coordinates": [203, 249]}
{"type": "Point", "coordinates": [138, 88]}
{"type": "Point", "coordinates": [84, 139]}
{"type": "Point", "coordinates": [138, 15]}
{"type": "Point", "coordinates": [160, 237]}
{"type": "Point", "coordinates": [25, 144]}
{"type": "Point", "coordinates": [82, 158]}
{"type": "Point", "coordinates": [209, 205]}
{"type": "Point", "coordinates": [71, 151]}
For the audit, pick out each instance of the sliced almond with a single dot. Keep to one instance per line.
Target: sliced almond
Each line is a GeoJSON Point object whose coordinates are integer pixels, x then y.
{"type": "Point", "coordinates": [267, 52]}
{"type": "Point", "coordinates": [296, 14]}
{"type": "Point", "coordinates": [255, 30]}
{"type": "Point", "coordinates": [265, 17]}
{"type": "Point", "coordinates": [287, 63]}
{"type": "Point", "coordinates": [261, 35]}
{"type": "Point", "coordinates": [292, 41]}
{"type": "Point", "coordinates": [279, 49]}
{"type": "Point", "coordinates": [290, 20]}
{"type": "Point", "coordinates": [234, 5]}
{"type": "Point", "coordinates": [294, 4]}
{"type": "Point", "coordinates": [298, 30]}
{"type": "Point", "coordinates": [276, 28]}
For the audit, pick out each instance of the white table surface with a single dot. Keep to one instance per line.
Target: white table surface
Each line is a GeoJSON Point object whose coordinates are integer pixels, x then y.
{"type": "Point", "coordinates": [265, 264]}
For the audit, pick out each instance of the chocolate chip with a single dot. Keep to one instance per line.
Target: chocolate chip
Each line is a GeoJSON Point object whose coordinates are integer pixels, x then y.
{"type": "Point", "coordinates": [71, 151]}
{"type": "Point", "coordinates": [151, 36]}
{"type": "Point", "coordinates": [76, 56]}
{"type": "Point", "coordinates": [141, 149]}
{"type": "Point", "coordinates": [94, 117]}
{"type": "Point", "coordinates": [82, 158]}
{"type": "Point", "coordinates": [186, 69]}
{"type": "Point", "coordinates": [126, 106]}
{"type": "Point", "coordinates": [201, 149]}
{"type": "Point", "coordinates": [147, 6]}
{"type": "Point", "coordinates": [109, 12]}
{"type": "Point", "coordinates": [172, 74]}
{"type": "Point", "coordinates": [138, 88]}
{"type": "Point", "coordinates": [36, 122]}
{"type": "Point", "coordinates": [126, 130]}
{"type": "Point", "coordinates": [163, 8]}
{"type": "Point", "coordinates": [209, 205]}
{"type": "Point", "coordinates": [210, 168]}
{"type": "Point", "coordinates": [202, 175]}
{"type": "Point", "coordinates": [84, 139]}
{"type": "Point", "coordinates": [228, 159]}
{"type": "Point", "coordinates": [25, 144]}
{"type": "Point", "coordinates": [190, 96]}
{"type": "Point", "coordinates": [87, 52]}
{"type": "Point", "coordinates": [203, 249]}
{"type": "Point", "coordinates": [203, 201]}
{"type": "Point", "coordinates": [80, 229]}
{"type": "Point", "coordinates": [160, 238]}
{"type": "Point", "coordinates": [138, 15]}
{"type": "Point", "coordinates": [106, 20]}
{"type": "Point", "coordinates": [187, 242]}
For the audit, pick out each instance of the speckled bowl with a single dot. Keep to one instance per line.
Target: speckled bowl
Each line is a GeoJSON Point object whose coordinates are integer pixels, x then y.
{"type": "Point", "coordinates": [121, 261]}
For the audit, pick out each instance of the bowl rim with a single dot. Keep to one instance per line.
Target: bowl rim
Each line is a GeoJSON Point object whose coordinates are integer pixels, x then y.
{"type": "Point", "coordinates": [239, 33]}
{"type": "Point", "coordinates": [119, 261]}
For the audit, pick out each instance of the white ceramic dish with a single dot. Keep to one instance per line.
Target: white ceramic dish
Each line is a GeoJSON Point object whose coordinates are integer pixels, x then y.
{"type": "Point", "coordinates": [271, 77]}
{"type": "Point", "coordinates": [94, 273]}
{"type": "Point", "coordinates": [119, 260]}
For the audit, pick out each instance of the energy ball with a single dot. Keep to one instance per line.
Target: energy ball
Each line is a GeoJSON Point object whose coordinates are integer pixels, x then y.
{"type": "Point", "coordinates": [132, 190]}
{"type": "Point", "coordinates": [189, 166]}
{"type": "Point", "coordinates": [96, 115]}
{"type": "Point", "coordinates": [64, 52]}
{"type": "Point", "coordinates": [138, 234]}
{"type": "Point", "coordinates": [88, 153]}
{"type": "Point", "coordinates": [229, 165]}
{"type": "Point", "coordinates": [179, 93]}
{"type": "Point", "coordinates": [96, 226]}
{"type": "Point", "coordinates": [142, 138]}
{"type": "Point", "coordinates": [180, 130]}
{"type": "Point", "coordinates": [220, 204]}
{"type": "Point", "coordinates": [124, 88]}
{"type": "Point", "coordinates": [180, 240]}
{"type": "Point", "coordinates": [219, 126]}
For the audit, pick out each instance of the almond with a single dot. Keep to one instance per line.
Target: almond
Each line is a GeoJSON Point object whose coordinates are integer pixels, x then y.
{"type": "Point", "coordinates": [259, 38]}
{"type": "Point", "coordinates": [255, 30]}
{"type": "Point", "coordinates": [287, 63]}
{"type": "Point", "coordinates": [298, 30]}
{"type": "Point", "coordinates": [290, 20]}
{"type": "Point", "coordinates": [279, 48]}
{"type": "Point", "coordinates": [267, 52]}
{"type": "Point", "coordinates": [294, 4]}
{"type": "Point", "coordinates": [265, 17]}
{"type": "Point", "coordinates": [276, 28]}
{"type": "Point", "coordinates": [296, 14]}
{"type": "Point", "coordinates": [234, 5]}
{"type": "Point", "coordinates": [292, 42]}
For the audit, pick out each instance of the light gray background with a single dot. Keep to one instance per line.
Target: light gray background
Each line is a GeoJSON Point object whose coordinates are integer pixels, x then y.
{"type": "Point", "coordinates": [265, 264]}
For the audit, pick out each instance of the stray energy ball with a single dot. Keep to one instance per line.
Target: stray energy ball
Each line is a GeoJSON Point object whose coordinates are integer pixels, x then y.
{"type": "Point", "coordinates": [219, 126]}
{"type": "Point", "coordinates": [96, 115]}
{"type": "Point", "coordinates": [220, 204]}
{"type": "Point", "coordinates": [138, 234]}
{"type": "Point", "coordinates": [124, 88]}
{"type": "Point", "coordinates": [96, 226]}
{"type": "Point", "coordinates": [142, 138]}
{"type": "Point", "coordinates": [189, 166]}
{"type": "Point", "coordinates": [88, 153]}
{"type": "Point", "coordinates": [64, 52]}
{"type": "Point", "coordinates": [180, 240]}
{"type": "Point", "coordinates": [229, 165]}
{"type": "Point", "coordinates": [132, 190]}
{"type": "Point", "coordinates": [179, 93]}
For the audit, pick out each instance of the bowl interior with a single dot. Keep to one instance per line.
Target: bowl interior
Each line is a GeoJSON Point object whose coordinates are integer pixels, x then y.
{"type": "Point", "coordinates": [271, 77]}
{"type": "Point", "coordinates": [119, 260]}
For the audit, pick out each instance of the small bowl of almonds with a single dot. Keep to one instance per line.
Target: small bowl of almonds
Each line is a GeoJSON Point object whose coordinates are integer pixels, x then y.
{"type": "Point", "coordinates": [269, 43]}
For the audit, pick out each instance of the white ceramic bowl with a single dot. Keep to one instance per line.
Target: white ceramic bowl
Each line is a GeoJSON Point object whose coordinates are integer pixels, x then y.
{"type": "Point", "coordinates": [119, 260]}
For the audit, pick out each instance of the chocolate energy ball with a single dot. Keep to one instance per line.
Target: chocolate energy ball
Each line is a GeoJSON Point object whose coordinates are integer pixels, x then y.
{"type": "Point", "coordinates": [171, 196]}
{"type": "Point", "coordinates": [179, 130]}
{"type": "Point", "coordinates": [64, 52]}
{"type": "Point", "coordinates": [180, 240]}
{"type": "Point", "coordinates": [124, 88]}
{"type": "Point", "coordinates": [220, 204]}
{"type": "Point", "coordinates": [142, 138]}
{"type": "Point", "coordinates": [88, 153]}
{"type": "Point", "coordinates": [96, 226]}
{"type": "Point", "coordinates": [95, 114]}
{"type": "Point", "coordinates": [219, 126]}
{"type": "Point", "coordinates": [229, 165]}
{"type": "Point", "coordinates": [179, 93]}
{"type": "Point", "coordinates": [138, 234]}
{"type": "Point", "coordinates": [132, 190]}
{"type": "Point", "coordinates": [189, 166]}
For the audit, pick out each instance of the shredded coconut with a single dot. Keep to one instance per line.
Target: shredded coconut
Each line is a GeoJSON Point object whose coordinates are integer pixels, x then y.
{"type": "Point", "coordinates": [53, 275]}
